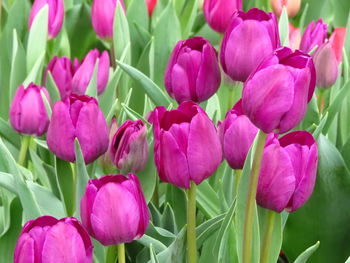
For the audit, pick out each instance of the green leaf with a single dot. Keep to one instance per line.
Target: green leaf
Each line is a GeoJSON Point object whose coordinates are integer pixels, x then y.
{"type": "Point", "coordinates": [147, 241]}
{"type": "Point", "coordinates": [283, 27]}
{"type": "Point", "coordinates": [188, 16]}
{"type": "Point", "coordinates": [207, 200]}
{"type": "Point", "coordinates": [52, 88]}
{"type": "Point", "coordinates": [39, 169]}
{"type": "Point", "coordinates": [121, 34]}
{"type": "Point", "coordinates": [168, 219]}
{"type": "Point", "coordinates": [9, 134]}
{"type": "Point", "coordinates": [208, 228]}
{"type": "Point", "coordinates": [154, 258]}
{"type": "Point", "coordinates": [92, 87]}
{"type": "Point", "coordinates": [34, 74]}
{"type": "Point", "coordinates": [175, 253]}
{"type": "Point", "coordinates": [303, 17]}
{"type": "Point", "coordinates": [46, 104]}
{"type": "Point", "coordinates": [303, 258]}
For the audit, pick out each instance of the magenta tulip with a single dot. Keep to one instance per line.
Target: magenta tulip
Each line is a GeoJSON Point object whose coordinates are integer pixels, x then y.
{"type": "Point", "coordinates": [186, 144]}
{"type": "Point", "coordinates": [27, 112]}
{"type": "Point", "coordinates": [113, 209]}
{"type": "Point", "coordinates": [314, 35]}
{"type": "Point", "coordinates": [77, 117]}
{"type": "Point", "coordinates": [193, 71]}
{"type": "Point", "coordinates": [47, 239]}
{"type": "Point", "coordinates": [276, 94]}
{"type": "Point", "coordinates": [249, 38]}
{"type": "Point", "coordinates": [56, 15]}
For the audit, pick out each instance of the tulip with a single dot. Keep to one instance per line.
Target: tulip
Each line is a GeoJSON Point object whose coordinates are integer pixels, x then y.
{"type": "Point", "coordinates": [27, 112]}
{"type": "Point", "coordinates": [276, 94]}
{"type": "Point", "coordinates": [326, 65]}
{"type": "Point", "coordinates": [77, 117]}
{"type": "Point", "coordinates": [47, 239]}
{"type": "Point", "coordinates": [106, 161]}
{"type": "Point", "coordinates": [150, 6]}
{"type": "Point", "coordinates": [129, 147]}
{"type": "Point", "coordinates": [84, 73]}
{"type": "Point", "coordinates": [292, 7]}
{"type": "Point", "coordinates": [186, 144]}
{"type": "Point", "coordinates": [314, 35]}
{"type": "Point", "coordinates": [249, 38]}
{"type": "Point", "coordinates": [102, 16]}
{"type": "Point", "coordinates": [237, 134]}
{"type": "Point", "coordinates": [337, 41]}
{"type": "Point", "coordinates": [294, 37]}
{"type": "Point", "coordinates": [288, 172]}
{"type": "Point", "coordinates": [193, 71]}
{"type": "Point", "coordinates": [218, 13]}
{"type": "Point", "coordinates": [56, 15]}
{"type": "Point", "coordinates": [113, 209]}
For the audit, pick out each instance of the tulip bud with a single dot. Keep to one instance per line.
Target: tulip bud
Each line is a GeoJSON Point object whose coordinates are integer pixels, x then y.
{"type": "Point", "coordinates": [292, 7]}
{"type": "Point", "coordinates": [237, 134]}
{"type": "Point", "coordinates": [27, 112]}
{"type": "Point", "coordinates": [326, 65]}
{"type": "Point", "coordinates": [288, 172]}
{"type": "Point", "coordinates": [150, 6]}
{"type": "Point", "coordinates": [294, 37]}
{"type": "Point", "coordinates": [77, 117]}
{"type": "Point", "coordinates": [337, 41]}
{"type": "Point", "coordinates": [56, 15]}
{"type": "Point", "coordinates": [113, 209]}
{"type": "Point", "coordinates": [129, 147]}
{"type": "Point", "coordinates": [102, 16]}
{"type": "Point", "coordinates": [314, 35]}
{"type": "Point", "coordinates": [186, 144]}
{"type": "Point", "coordinates": [249, 38]}
{"type": "Point", "coordinates": [84, 73]}
{"type": "Point", "coordinates": [193, 71]}
{"type": "Point", "coordinates": [106, 161]}
{"type": "Point", "coordinates": [47, 239]}
{"type": "Point", "coordinates": [276, 94]}
{"type": "Point", "coordinates": [218, 13]}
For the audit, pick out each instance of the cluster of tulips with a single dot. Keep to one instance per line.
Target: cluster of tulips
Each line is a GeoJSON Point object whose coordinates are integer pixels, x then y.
{"type": "Point", "coordinates": [278, 83]}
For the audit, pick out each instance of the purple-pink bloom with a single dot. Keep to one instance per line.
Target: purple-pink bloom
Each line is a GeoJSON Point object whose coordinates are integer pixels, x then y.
{"type": "Point", "coordinates": [47, 239]}
{"type": "Point", "coordinates": [113, 209]}
{"type": "Point", "coordinates": [288, 172]}
{"type": "Point", "coordinates": [276, 94]}
{"type": "Point", "coordinates": [77, 117]}
{"type": "Point", "coordinates": [314, 35]}
{"type": "Point", "coordinates": [193, 71]}
{"type": "Point", "coordinates": [186, 144]}
{"type": "Point", "coordinates": [249, 38]}
{"type": "Point", "coordinates": [56, 15]}
{"type": "Point", "coordinates": [27, 112]}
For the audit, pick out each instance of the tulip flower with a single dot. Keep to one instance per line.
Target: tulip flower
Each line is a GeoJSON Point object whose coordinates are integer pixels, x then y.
{"type": "Point", "coordinates": [129, 147]}
{"type": "Point", "coordinates": [326, 65]}
{"type": "Point", "coordinates": [102, 16]}
{"type": "Point", "coordinates": [276, 94]}
{"type": "Point", "coordinates": [288, 172]}
{"type": "Point", "coordinates": [292, 7]}
{"type": "Point", "coordinates": [27, 112]}
{"type": "Point", "coordinates": [77, 117]}
{"type": "Point", "coordinates": [84, 73]}
{"type": "Point", "coordinates": [193, 71]}
{"type": "Point", "coordinates": [237, 134]}
{"type": "Point", "coordinates": [56, 15]}
{"type": "Point", "coordinates": [47, 239]}
{"type": "Point", "coordinates": [218, 13]}
{"type": "Point", "coordinates": [314, 35]}
{"type": "Point", "coordinates": [113, 209]}
{"type": "Point", "coordinates": [250, 37]}
{"type": "Point", "coordinates": [337, 41]}
{"type": "Point", "coordinates": [113, 127]}
{"type": "Point", "coordinates": [150, 6]}
{"type": "Point", "coordinates": [186, 145]}
{"type": "Point", "coordinates": [294, 37]}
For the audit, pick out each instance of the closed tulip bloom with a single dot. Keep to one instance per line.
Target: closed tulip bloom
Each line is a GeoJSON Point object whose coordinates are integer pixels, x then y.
{"type": "Point", "coordinates": [150, 6]}
{"type": "Point", "coordinates": [288, 172]}
{"type": "Point", "coordinates": [193, 71]}
{"type": "Point", "coordinates": [314, 35]}
{"type": "Point", "coordinates": [292, 7]}
{"type": "Point", "coordinates": [276, 94]}
{"type": "Point", "coordinates": [294, 37]}
{"type": "Point", "coordinates": [337, 41]}
{"type": "Point", "coordinates": [77, 117]}
{"type": "Point", "coordinates": [47, 239]}
{"type": "Point", "coordinates": [249, 38]}
{"type": "Point", "coordinates": [84, 73]}
{"type": "Point", "coordinates": [129, 147]}
{"type": "Point", "coordinates": [218, 13]}
{"type": "Point", "coordinates": [237, 134]}
{"type": "Point", "coordinates": [27, 112]}
{"type": "Point", "coordinates": [186, 144]}
{"type": "Point", "coordinates": [56, 15]}
{"type": "Point", "coordinates": [102, 16]}
{"type": "Point", "coordinates": [113, 209]}
{"type": "Point", "coordinates": [326, 65]}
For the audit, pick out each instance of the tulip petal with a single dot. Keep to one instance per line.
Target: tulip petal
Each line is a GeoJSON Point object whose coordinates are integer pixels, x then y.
{"type": "Point", "coordinates": [24, 252]}
{"type": "Point", "coordinates": [86, 206]}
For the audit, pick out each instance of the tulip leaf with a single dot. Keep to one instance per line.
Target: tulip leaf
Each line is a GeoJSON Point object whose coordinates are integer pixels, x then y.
{"type": "Point", "coordinates": [38, 35]}
{"type": "Point", "coordinates": [154, 258]}
{"type": "Point", "coordinates": [39, 170]}
{"type": "Point", "coordinates": [177, 199]}
{"type": "Point", "coordinates": [207, 200]}
{"type": "Point", "coordinates": [303, 257]}
{"type": "Point", "coordinates": [34, 75]}
{"type": "Point", "coordinates": [46, 104]}
{"type": "Point", "coordinates": [92, 87]}
{"type": "Point", "coordinates": [168, 219]}
{"type": "Point", "coordinates": [121, 34]}
{"type": "Point", "coordinates": [320, 126]}
{"type": "Point", "coordinates": [9, 134]}
{"type": "Point", "coordinates": [52, 88]}
{"type": "Point", "coordinates": [188, 16]}
{"type": "Point", "coordinates": [303, 17]}
{"type": "Point", "coordinates": [175, 253]}
{"type": "Point", "coordinates": [147, 241]}
{"type": "Point", "coordinates": [208, 228]}
{"type": "Point", "coordinates": [133, 115]}
{"type": "Point", "coordinates": [283, 27]}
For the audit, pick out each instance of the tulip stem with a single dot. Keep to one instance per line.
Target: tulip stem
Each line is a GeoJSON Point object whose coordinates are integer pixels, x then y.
{"type": "Point", "coordinates": [191, 224]}
{"type": "Point", "coordinates": [23, 151]}
{"type": "Point", "coordinates": [238, 174]}
{"type": "Point", "coordinates": [249, 210]}
{"type": "Point", "coordinates": [320, 100]}
{"type": "Point", "coordinates": [121, 253]}
{"type": "Point", "coordinates": [113, 56]}
{"type": "Point", "coordinates": [267, 238]}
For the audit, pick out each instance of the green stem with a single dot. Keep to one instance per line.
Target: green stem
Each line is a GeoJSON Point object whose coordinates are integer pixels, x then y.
{"type": "Point", "coordinates": [320, 100]}
{"type": "Point", "coordinates": [111, 254]}
{"type": "Point", "coordinates": [155, 197]}
{"type": "Point", "coordinates": [74, 173]}
{"type": "Point", "coordinates": [0, 15]}
{"type": "Point", "coordinates": [191, 224]}
{"type": "Point", "coordinates": [238, 174]}
{"type": "Point", "coordinates": [114, 65]}
{"type": "Point", "coordinates": [249, 210]}
{"type": "Point", "coordinates": [267, 238]}
{"type": "Point", "coordinates": [231, 94]}
{"type": "Point", "coordinates": [121, 253]}
{"type": "Point", "coordinates": [24, 148]}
